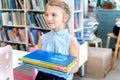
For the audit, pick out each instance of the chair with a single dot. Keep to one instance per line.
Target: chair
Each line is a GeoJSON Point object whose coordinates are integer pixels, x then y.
{"type": "Point", "coordinates": [6, 64]}
{"type": "Point", "coordinates": [96, 42]}
{"type": "Point", "coordinates": [110, 35]}
{"type": "Point", "coordinates": [116, 50]}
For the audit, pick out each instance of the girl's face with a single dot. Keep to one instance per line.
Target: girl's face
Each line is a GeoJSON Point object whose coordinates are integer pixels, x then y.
{"type": "Point", "coordinates": [55, 17]}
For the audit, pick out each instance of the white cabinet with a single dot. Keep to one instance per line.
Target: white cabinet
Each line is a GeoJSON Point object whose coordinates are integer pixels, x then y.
{"type": "Point", "coordinates": [83, 53]}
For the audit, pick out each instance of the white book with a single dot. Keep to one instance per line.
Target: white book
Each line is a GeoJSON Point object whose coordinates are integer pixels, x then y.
{"type": "Point", "coordinates": [87, 30]}
{"type": "Point", "coordinates": [90, 23]}
{"type": "Point", "coordinates": [89, 37]}
{"type": "Point", "coordinates": [4, 18]}
{"type": "Point", "coordinates": [42, 7]}
{"type": "Point", "coordinates": [34, 5]}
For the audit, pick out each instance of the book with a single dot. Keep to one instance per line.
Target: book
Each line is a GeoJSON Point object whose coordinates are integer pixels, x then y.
{"type": "Point", "coordinates": [42, 7]}
{"type": "Point", "coordinates": [34, 5]}
{"type": "Point", "coordinates": [51, 66]}
{"type": "Point", "coordinates": [21, 3]}
{"type": "Point", "coordinates": [12, 4]}
{"type": "Point", "coordinates": [50, 60]}
{"type": "Point", "coordinates": [90, 23]}
{"type": "Point", "coordinates": [45, 70]}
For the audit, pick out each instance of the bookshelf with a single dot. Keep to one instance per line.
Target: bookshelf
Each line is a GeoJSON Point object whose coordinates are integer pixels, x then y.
{"type": "Point", "coordinates": [35, 20]}
{"type": "Point", "coordinates": [20, 25]}
{"type": "Point", "coordinates": [76, 21]}
{"type": "Point", "coordinates": [13, 28]}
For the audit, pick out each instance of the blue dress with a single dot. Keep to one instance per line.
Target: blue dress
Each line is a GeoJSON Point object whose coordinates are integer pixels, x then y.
{"type": "Point", "coordinates": [58, 42]}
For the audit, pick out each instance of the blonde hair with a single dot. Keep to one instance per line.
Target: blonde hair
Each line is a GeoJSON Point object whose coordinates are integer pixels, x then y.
{"type": "Point", "coordinates": [62, 5]}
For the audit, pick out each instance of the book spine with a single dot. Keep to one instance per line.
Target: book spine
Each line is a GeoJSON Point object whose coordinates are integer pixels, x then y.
{"type": "Point", "coordinates": [21, 3]}
{"type": "Point", "coordinates": [12, 4]}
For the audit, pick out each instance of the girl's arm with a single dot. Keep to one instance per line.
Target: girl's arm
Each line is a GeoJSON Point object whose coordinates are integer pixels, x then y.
{"type": "Point", "coordinates": [40, 43]}
{"type": "Point", "coordinates": [74, 51]}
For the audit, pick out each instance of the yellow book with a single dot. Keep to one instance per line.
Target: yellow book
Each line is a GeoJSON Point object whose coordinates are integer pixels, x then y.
{"type": "Point", "coordinates": [14, 18]}
{"type": "Point", "coordinates": [50, 66]}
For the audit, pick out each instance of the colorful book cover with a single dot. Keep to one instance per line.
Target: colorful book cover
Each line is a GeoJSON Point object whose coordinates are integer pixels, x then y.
{"type": "Point", "coordinates": [51, 60]}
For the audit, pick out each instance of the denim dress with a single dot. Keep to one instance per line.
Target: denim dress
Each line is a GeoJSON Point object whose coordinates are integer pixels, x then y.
{"type": "Point", "coordinates": [58, 42]}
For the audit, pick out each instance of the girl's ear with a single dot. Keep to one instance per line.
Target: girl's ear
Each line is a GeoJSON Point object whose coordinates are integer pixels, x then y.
{"type": "Point", "coordinates": [66, 17]}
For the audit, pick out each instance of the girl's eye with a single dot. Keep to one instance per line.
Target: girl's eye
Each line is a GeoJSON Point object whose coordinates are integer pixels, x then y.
{"type": "Point", "coordinates": [53, 15]}
{"type": "Point", "coordinates": [46, 14]}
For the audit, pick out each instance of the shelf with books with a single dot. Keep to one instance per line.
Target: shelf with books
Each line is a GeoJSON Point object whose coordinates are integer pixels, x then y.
{"type": "Point", "coordinates": [19, 17]}
{"type": "Point", "coordinates": [35, 20]}
{"type": "Point", "coordinates": [12, 4]}
{"type": "Point", "coordinates": [13, 35]}
{"type": "Point", "coordinates": [13, 28]}
{"type": "Point", "coordinates": [13, 18]}
{"type": "Point", "coordinates": [35, 5]}
{"type": "Point", "coordinates": [33, 35]}
{"type": "Point", "coordinates": [76, 21]}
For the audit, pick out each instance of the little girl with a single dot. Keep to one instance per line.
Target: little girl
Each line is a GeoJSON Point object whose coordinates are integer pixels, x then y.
{"type": "Point", "coordinates": [58, 40]}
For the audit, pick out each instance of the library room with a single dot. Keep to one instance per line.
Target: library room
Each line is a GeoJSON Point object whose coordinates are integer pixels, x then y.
{"type": "Point", "coordinates": [59, 39]}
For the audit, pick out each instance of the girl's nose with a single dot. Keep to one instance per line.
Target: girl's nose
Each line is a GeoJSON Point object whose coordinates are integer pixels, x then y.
{"type": "Point", "coordinates": [49, 17]}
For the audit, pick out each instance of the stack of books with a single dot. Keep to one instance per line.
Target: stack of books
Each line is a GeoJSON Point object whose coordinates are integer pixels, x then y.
{"type": "Point", "coordinates": [90, 25]}
{"type": "Point", "coordinates": [49, 62]}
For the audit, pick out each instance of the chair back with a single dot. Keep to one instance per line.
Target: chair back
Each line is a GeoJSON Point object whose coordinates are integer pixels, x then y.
{"type": "Point", "coordinates": [6, 69]}
{"type": "Point", "coordinates": [116, 50]}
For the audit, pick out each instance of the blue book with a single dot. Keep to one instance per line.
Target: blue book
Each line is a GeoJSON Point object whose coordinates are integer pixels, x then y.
{"type": "Point", "coordinates": [51, 58]}
{"type": "Point", "coordinates": [34, 36]}
{"type": "Point", "coordinates": [12, 4]}
{"type": "Point", "coordinates": [31, 22]}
